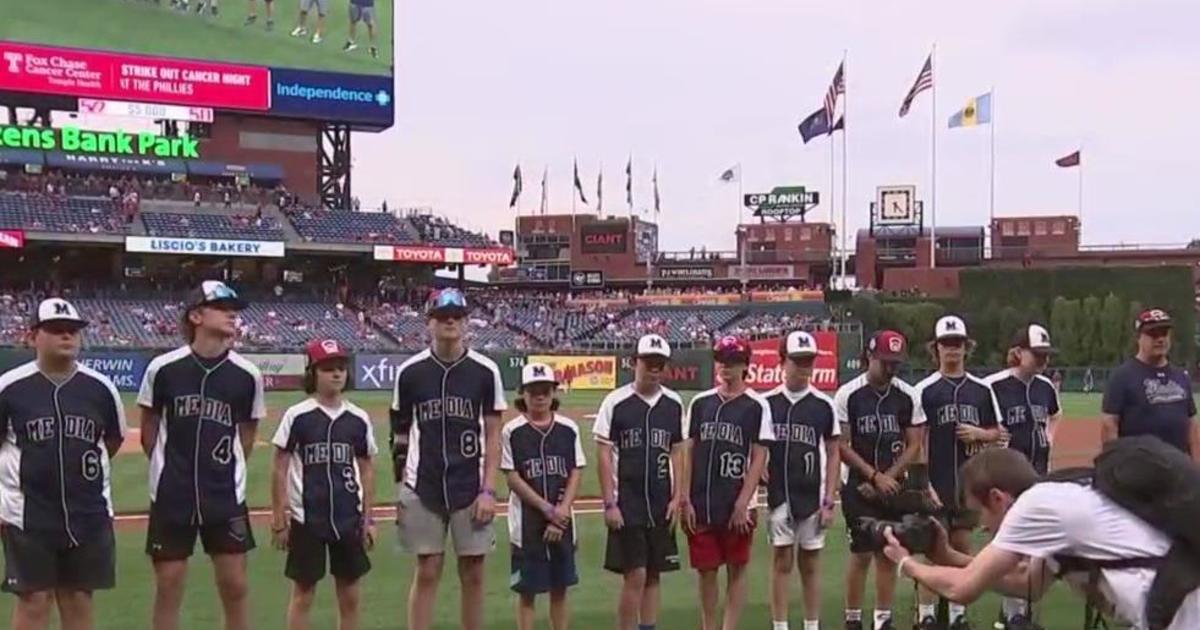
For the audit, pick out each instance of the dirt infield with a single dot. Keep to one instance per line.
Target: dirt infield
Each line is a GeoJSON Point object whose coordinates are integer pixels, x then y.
{"type": "Point", "coordinates": [1076, 442]}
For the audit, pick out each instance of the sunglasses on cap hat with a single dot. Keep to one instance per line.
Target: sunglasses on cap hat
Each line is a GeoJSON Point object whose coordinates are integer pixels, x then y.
{"type": "Point", "coordinates": [731, 349]}
{"type": "Point", "coordinates": [446, 300]}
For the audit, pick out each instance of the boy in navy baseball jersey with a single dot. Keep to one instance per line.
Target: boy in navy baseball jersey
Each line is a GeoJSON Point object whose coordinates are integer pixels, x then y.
{"type": "Point", "coordinates": [804, 472]}
{"type": "Point", "coordinates": [961, 416]}
{"type": "Point", "coordinates": [323, 487]}
{"type": "Point", "coordinates": [639, 455]}
{"type": "Point", "coordinates": [881, 436]}
{"type": "Point", "coordinates": [445, 421]}
{"type": "Point", "coordinates": [60, 423]}
{"type": "Point", "coordinates": [542, 457]}
{"type": "Point", "coordinates": [1029, 412]}
{"type": "Point", "coordinates": [728, 430]}
{"type": "Point", "coordinates": [200, 408]}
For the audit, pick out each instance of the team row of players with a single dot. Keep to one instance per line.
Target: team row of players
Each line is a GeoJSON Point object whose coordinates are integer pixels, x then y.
{"type": "Point", "coordinates": [658, 464]}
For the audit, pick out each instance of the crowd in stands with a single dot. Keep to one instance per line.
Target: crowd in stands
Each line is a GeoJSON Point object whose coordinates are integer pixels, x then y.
{"type": "Point", "coordinates": [235, 226]}
{"type": "Point", "coordinates": [340, 226]}
{"type": "Point", "coordinates": [434, 229]}
{"type": "Point", "coordinates": [55, 213]}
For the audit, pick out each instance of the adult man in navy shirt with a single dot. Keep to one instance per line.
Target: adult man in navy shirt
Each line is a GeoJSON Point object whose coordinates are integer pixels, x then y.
{"type": "Point", "coordinates": [1147, 394]}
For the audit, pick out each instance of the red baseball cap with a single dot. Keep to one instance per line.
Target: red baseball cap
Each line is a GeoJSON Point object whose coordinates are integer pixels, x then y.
{"type": "Point", "coordinates": [731, 349]}
{"type": "Point", "coordinates": [319, 350]}
{"type": "Point", "coordinates": [888, 345]}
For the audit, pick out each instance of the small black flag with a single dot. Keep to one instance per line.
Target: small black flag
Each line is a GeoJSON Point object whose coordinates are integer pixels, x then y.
{"type": "Point", "coordinates": [517, 186]}
{"type": "Point", "coordinates": [629, 182]}
{"type": "Point", "coordinates": [579, 185]}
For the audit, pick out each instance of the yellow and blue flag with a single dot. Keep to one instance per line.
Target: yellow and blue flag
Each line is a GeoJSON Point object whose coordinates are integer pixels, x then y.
{"type": "Point", "coordinates": [977, 112]}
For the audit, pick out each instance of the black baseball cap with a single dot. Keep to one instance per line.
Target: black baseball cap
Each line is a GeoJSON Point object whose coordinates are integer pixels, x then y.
{"type": "Point", "coordinates": [1151, 319]}
{"type": "Point", "coordinates": [215, 293]}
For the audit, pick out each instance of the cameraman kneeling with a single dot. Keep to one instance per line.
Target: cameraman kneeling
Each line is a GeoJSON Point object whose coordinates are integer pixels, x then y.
{"type": "Point", "coordinates": [1035, 523]}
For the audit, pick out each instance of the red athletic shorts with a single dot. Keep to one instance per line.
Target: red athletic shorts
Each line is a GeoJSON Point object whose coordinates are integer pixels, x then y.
{"type": "Point", "coordinates": [709, 549]}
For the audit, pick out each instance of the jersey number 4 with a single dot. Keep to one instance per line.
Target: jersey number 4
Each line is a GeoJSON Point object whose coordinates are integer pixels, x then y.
{"type": "Point", "coordinates": [223, 451]}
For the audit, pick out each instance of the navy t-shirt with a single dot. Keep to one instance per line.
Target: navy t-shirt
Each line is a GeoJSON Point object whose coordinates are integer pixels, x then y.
{"type": "Point", "coordinates": [1151, 400]}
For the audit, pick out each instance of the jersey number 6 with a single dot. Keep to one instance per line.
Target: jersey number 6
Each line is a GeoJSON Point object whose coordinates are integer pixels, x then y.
{"type": "Point", "coordinates": [90, 465]}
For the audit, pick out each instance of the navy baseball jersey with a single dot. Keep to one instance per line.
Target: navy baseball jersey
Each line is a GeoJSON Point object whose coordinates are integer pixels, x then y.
{"type": "Point", "coordinates": [722, 430]}
{"type": "Point", "coordinates": [945, 402]}
{"type": "Point", "coordinates": [1151, 400]}
{"type": "Point", "coordinates": [642, 432]}
{"type": "Point", "coordinates": [803, 422]}
{"type": "Point", "coordinates": [876, 421]}
{"type": "Point", "coordinates": [441, 406]}
{"type": "Point", "coordinates": [544, 458]}
{"type": "Point", "coordinates": [324, 482]}
{"type": "Point", "coordinates": [197, 467]}
{"type": "Point", "coordinates": [1025, 410]}
{"type": "Point", "coordinates": [54, 475]}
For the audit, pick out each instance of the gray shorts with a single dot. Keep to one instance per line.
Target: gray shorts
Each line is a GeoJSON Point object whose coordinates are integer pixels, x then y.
{"type": "Point", "coordinates": [322, 6]}
{"type": "Point", "coordinates": [423, 531]}
{"type": "Point", "coordinates": [362, 14]}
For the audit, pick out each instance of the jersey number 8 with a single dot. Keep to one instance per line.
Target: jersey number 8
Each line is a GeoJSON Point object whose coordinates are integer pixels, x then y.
{"type": "Point", "coordinates": [469, 444]}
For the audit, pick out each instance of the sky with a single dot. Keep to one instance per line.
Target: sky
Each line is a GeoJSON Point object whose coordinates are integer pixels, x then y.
{"type": "Point", "coordinates": [693, 87]}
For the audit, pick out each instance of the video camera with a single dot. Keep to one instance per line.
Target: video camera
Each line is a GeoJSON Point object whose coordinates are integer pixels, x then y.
{"type": "Point", "coordinates": [916, 528]}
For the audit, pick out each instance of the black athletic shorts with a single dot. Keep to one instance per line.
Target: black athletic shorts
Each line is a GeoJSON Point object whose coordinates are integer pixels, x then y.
{"type": "Point", "coordinates": [651, 548]}
{"type": "Point", "coordinates": [176, 541]}
{"type": "Point", "coordinates": [306, 556]}
{"type": "Point", "coordinates": [35, 563]}
{"type": "Point", "coordinates": [854, 507]}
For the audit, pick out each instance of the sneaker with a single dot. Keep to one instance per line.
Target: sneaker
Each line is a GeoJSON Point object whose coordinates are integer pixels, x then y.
{"type": "Point", "coordinates": [270, 25]}
{"type": "Point", "coordinates": [854, 625]}
{"type": "Point", "coordinates": [215, 11]}
{"type": "Point", "coordinates": [927, 623]}
{"type": "Point", "coordinates": [200, 7]}
{"type": "Point", "coordinates": [374, 52]}
{"type": "Point", "coordinates": [250, 19]}
{"type": "Point", "coordinates": [962, 623]}
{"type": "Point", "coordinates": [1021, 622]}
{"type": "Point", "coordinates": [299, 31]}
{"type": "Point", "coordinates": [317, 38]}
{"type": "Point", "coordinates": [349, 47]}
{"type": "Point", "coordinates": [888, 625]}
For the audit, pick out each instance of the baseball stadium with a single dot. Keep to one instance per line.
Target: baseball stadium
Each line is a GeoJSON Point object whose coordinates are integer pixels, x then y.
{"type": "Point", "coordinates": [266, 206]}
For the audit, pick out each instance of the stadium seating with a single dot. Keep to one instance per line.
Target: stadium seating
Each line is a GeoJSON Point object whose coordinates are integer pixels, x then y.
{"type": "Point", "coordinates": [41, 213]}
{"type": "Point", "coordinates": [344, 226]}
{"type": "Point", "coordinates": [439, 231]}
{"type": "Point", "coordinates": [676, 325]}
{"type": "Point", "coordinates": [212, 226]}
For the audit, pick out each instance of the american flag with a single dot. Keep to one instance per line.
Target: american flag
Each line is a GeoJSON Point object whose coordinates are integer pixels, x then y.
{"type": "Point", "coordinates": [837, 87]}
{"type": "Point", "coordinates": [924, 82]}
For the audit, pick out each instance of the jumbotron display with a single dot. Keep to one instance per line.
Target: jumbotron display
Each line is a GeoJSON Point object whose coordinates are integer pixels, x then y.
{"type": "Point", "coordinates": [320, 59]}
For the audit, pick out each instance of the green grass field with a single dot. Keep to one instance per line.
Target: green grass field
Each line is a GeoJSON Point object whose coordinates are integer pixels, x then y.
{"type": "Point", "coordinates": [144, 27]}
{"type": "Point", "coordinates": [592, 603]}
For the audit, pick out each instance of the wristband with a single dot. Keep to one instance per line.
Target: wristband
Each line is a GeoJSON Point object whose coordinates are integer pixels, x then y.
{"type": "Point", "coordinates": [489, 492]}
{"type": "Point", "coordinates": [608, 505]}
{"type": "Point", "coordinates": [828, 503]}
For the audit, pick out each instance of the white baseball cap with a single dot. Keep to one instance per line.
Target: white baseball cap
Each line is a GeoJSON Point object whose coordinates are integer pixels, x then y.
{"type": "Point", "coordinates": [57, 310]}
{"type": "Point", "coordinates": [950, 327]}
{"type": "Point", "coordinates": [653, 345]}
{"type": "Point", "coordinates": [534, 373]}
{"type": "Point", "coordinates": [799, 344]}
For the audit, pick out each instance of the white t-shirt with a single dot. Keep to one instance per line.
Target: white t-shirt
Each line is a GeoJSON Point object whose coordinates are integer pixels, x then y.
{"type": "Point", "coordinates": [1070, 519]}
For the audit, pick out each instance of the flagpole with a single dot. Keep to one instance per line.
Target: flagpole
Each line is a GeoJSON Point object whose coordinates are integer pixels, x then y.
{"type": "Point", "coordinates": [992, 167]}
{"type": "Point", "coordinates": [845, 198]}
{"type": "Point", "coordinates": [832, 174]}
{"type": "Point", "coordinates": [933, 155]}
{"type": "Point", "coordinates": [741, 233]}
{"type": "Point", "coordinates": [1080, 197]}
{"type": "Point", "coordinates": [574, 192]}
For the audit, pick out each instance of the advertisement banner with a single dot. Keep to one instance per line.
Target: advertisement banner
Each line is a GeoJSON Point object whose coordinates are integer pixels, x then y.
{"type": "Point", "coordinates": [124, 368]}
{"type": "Point", "coordinates": [445, 255]}
{"type": "Point", "coordinates": [280, 371]}
{"type": "Point", "coordinates": [203, 246]}
{"type": "Point", "coordinates": [377, 371]}
{"type": "Point", "coordinates": [684, 372]}
{"type": "Point", "coordinates": [581, 372]}
{"type": "Point", "coordinates": [786, 296]}
{"type": "Point", "coordinates": [103, 75]}
{"type": "Point", "coordinates": [605, 237]}
{"type": "Point", "coordinates": [688, 299]}
{"type": "Point", "coordinates": [762, 272]}
{"type": "Point", "coordinates": [333, 96]}
{"type": "Point", "coordinates": [12, 239]}
{"type": "Point", "coordinates": [686, 272]}
{"type": "Point", "coordinates": [129, 109]}
{"type": "Point", "coordinates": [766, 370]}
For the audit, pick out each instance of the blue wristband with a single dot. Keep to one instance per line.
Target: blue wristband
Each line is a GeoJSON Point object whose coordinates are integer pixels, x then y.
{"type": "Point", "coordinates": [489, 492]}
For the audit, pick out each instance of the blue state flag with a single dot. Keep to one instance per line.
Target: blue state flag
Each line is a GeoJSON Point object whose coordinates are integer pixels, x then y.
{"type": "Point", "coordinates": [817, 124]}
{"type": "Point", "coordinates": [978, 111]}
